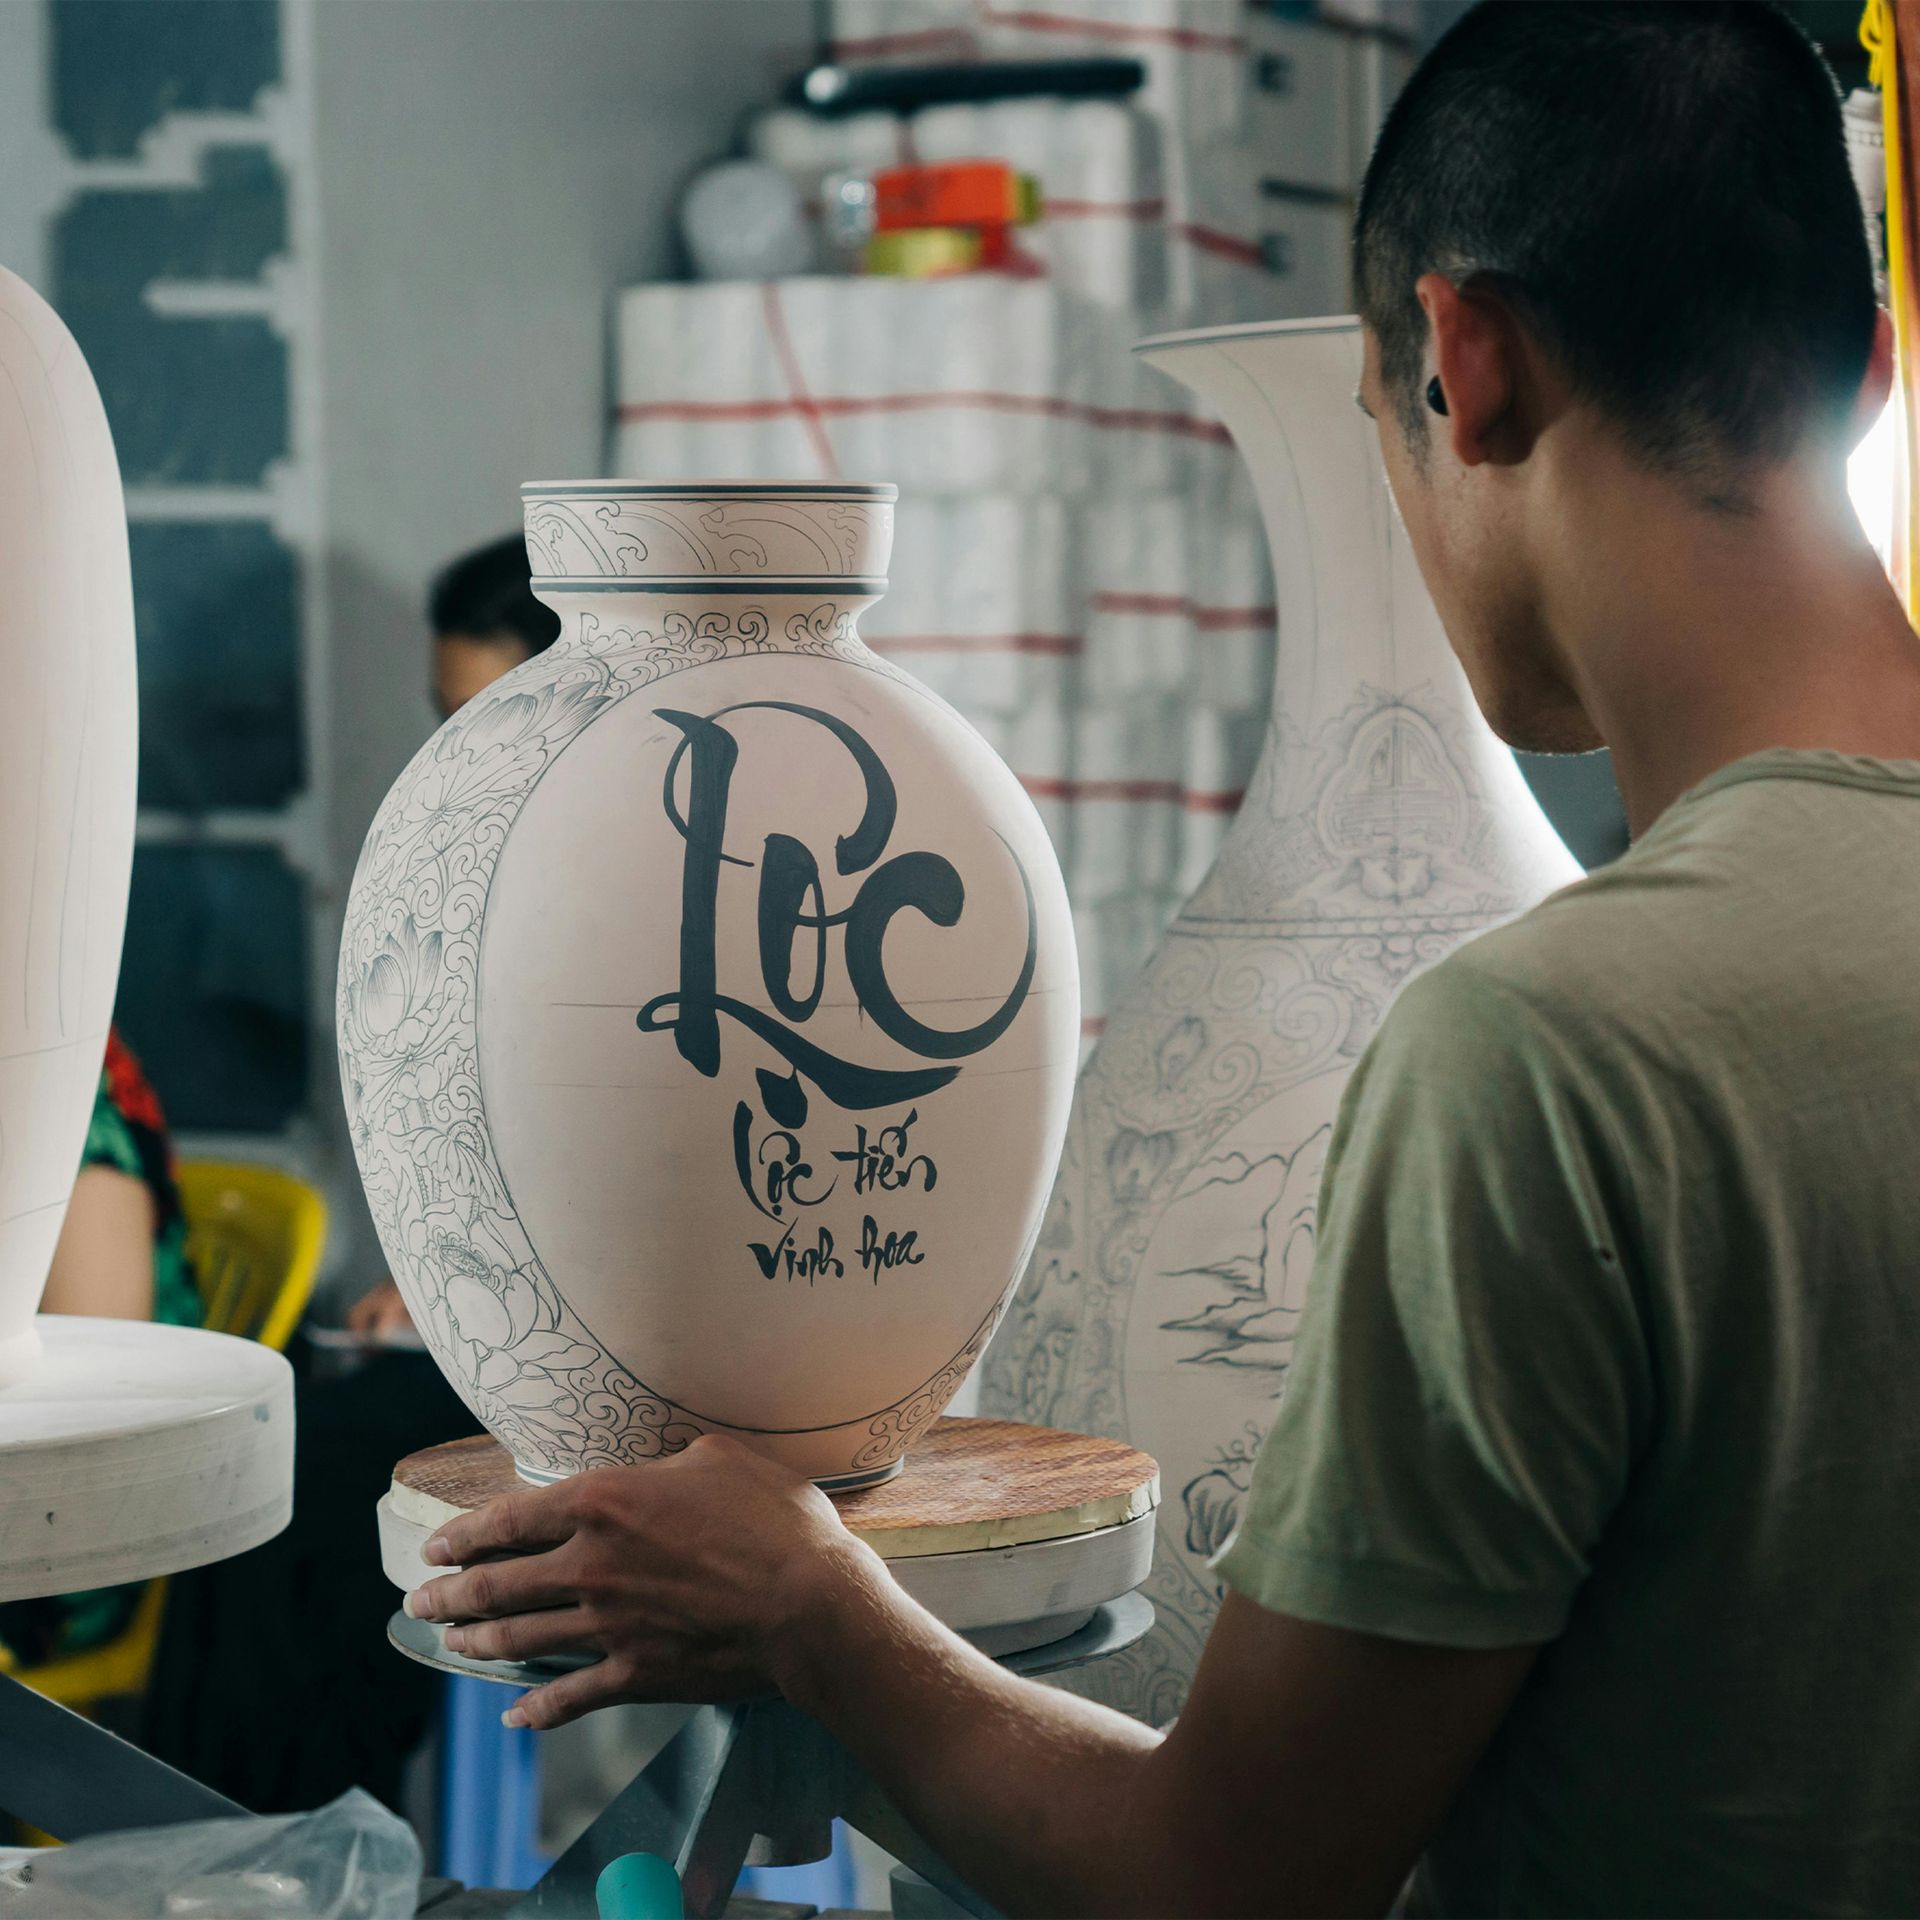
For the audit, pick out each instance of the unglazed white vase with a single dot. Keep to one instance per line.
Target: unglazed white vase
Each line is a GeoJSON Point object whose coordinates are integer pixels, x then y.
{"type": "Point", "coordinates": [1384, 824]}
{"type": "Point", "coordinates": [67, 768]}
{"type": "Point", "coordinates": [708, 1008]}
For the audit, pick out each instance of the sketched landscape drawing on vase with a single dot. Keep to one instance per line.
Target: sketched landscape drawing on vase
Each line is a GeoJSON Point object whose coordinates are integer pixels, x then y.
{"type": "Point", "coordinates": [1383, 825]}
{"type": "Point", "coordinates": [67, 756]}
{"type": "Point", "coordinates": [707, 1052]}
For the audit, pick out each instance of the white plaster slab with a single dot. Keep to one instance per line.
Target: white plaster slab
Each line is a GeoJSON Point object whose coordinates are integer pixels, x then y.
{"type": "Point", "coordinates": [136, 1450]}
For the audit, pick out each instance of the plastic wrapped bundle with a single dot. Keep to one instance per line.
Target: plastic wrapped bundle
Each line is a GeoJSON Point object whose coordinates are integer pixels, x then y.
{"type": "Point", "coordinates": [978, 384]}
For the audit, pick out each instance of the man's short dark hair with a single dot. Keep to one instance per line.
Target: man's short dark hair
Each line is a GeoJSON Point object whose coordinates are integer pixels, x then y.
{"type": "Point", "coordinates": [1661, 192]}
{"type": "Point", "coordinates": [487, 592]}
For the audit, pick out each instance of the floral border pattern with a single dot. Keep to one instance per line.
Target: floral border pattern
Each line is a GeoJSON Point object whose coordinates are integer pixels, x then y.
{"type": "Point", "coordinates": [539, 1378]}
{"type": "Point", "coordinates": [894, 1430]}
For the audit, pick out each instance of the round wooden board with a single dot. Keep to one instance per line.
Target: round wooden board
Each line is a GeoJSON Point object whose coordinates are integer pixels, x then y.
{"type": "Point", "coordinates": [967, 1485]}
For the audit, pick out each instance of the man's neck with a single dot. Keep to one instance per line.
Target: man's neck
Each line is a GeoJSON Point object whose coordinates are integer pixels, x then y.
{"type": "Point", "coordinates": [1694, 638]}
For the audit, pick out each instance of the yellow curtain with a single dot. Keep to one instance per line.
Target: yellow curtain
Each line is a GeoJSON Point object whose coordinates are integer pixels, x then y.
{"type": "Point", "coordinates": [1890, 32]}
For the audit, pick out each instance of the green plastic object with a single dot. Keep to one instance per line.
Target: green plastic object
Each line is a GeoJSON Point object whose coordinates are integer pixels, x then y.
{"type": "Point", "coordinates": [638, 1886]}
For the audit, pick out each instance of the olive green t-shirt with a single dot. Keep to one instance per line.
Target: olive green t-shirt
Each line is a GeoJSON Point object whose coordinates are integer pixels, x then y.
{"type": "Point", "coordinates": [1613, 1345]}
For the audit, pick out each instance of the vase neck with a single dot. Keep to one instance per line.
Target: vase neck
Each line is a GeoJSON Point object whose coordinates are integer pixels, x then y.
{"type": "Point", "coordinates": [1381, 797]}
{"type": "Point", "coordinates": [717, 540]}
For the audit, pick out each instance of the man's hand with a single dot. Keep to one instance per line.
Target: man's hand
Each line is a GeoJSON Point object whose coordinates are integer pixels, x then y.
{"type": "Point", "coordinates": [380, 1313]}
{"type": "Point", "coordinates": [689, 1576]}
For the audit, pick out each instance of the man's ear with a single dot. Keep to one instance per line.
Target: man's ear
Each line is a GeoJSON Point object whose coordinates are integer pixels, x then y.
{"type": "Point", "coordinates": [1877, 382]}
{"type": "Point", "coordinates": [1483, 364]}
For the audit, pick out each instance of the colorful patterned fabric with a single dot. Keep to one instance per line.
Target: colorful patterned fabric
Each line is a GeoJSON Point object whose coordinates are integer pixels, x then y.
{"type": "Point", "coordinates": [128, 1133]}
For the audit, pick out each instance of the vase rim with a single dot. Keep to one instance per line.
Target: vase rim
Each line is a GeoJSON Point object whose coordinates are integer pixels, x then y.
{"type": "Point", "coordinates": [852, 586]}
{"type": "Point", "coordinates": [710, 489]}
{"type": "Point", "coordinates": [1248, 330]}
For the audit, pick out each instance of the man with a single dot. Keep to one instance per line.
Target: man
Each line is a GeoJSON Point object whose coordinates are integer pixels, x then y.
{"type": "Point", "coordinates": [1579, 1565]}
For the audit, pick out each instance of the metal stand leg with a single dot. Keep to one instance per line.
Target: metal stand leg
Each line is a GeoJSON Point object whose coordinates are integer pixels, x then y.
{"type": "Point", "coordinates": [70, 1778]}
{"type": "Point", "coordinates": [763, 1768]}
{"type": "Point", "coordinates": [694, 1808]}
{"type": "Point", "coordinates": [733, 1774]}
{"type": "Point", "coordinates": [864, 1807]}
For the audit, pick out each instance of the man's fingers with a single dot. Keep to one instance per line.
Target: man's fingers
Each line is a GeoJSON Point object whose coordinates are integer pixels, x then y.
{"type": "Point", "coordinates": [514, 1523]}
{"type": "Point", "coordinates": [495, 1588]}
{"type": "Point", "coordinates": [522, 1636]}
{"type": "Point", "coordinates": [567, 1698]}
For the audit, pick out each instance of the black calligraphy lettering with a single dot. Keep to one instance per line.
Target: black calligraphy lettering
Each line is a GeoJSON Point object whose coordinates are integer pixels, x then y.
{"type": "Point", "coordinates": [882, 1161]}
{"type": "Point", "coordinates": [803, 1263]}
{"type": "Point", "coordinates": [879, 1253]}
{"type": "Point", "coordinates": [792, 906]}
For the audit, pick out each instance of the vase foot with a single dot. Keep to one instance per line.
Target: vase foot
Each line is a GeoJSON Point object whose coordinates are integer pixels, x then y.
{"type": "Point", "coordinates": [848, 1482]}
{"type": "Point", "coordinates": [829, 1483]}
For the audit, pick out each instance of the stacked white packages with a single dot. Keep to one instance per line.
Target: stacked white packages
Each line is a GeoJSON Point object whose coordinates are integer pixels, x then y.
{"type": "Point", "coordinates": [975, 384]}
{"type": "Point", "coordinates": [1193, 205]}
{"type": "Point", "coordinates": [1100, 164]}
{"type": "Point", "coordinates": [1078, 563]}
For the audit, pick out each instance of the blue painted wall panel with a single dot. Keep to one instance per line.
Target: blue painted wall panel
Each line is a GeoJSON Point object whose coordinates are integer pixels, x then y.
{"type": "Point", "coordinates": [121, 66]}
{"type": "Point", "coordinates": [216, 606]}
{"type": "Point", "coordinates": [211, 992]}
{"type": "Point", "coordinates": [192, 401]}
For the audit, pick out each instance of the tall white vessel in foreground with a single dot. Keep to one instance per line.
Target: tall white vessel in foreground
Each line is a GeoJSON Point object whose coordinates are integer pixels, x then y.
{"type": "Point", "coordinates": [68, 748]}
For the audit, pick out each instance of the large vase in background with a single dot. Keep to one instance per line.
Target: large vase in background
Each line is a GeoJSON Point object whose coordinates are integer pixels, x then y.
{"type": "Point", "coordinates": [68, 723]}
{"type": "Point", "coordinates": [708, 1009]}
{"type": "Point", "coordinates": [1383, 825]}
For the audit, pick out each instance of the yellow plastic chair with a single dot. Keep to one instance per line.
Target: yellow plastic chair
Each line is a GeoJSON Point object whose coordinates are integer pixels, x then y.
{"type": "Point", "coordinates": [255, 1236]}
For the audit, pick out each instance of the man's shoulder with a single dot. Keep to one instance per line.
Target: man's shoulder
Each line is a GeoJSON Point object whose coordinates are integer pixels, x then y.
{"type": "Point", "coordinates": [1564, 952]}
{"type": "Point", "coordinates": [1612, 954]}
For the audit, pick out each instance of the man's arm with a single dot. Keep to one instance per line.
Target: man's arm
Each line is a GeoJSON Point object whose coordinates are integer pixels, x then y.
{"type": "Point", "coordinates": [1307, 1772]}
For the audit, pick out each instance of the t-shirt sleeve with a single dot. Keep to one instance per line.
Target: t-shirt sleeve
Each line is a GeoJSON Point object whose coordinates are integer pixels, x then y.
{"type": "Point", "coordinates": [1471, 1385]}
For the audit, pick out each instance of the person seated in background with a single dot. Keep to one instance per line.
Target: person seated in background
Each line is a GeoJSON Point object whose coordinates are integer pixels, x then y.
{"type": "Point", "coordinates": [122, 1255]}
{"type": "Point", "coordinates": [485, 622]}
{"type": "Point", "coordinates": [302, 1619]}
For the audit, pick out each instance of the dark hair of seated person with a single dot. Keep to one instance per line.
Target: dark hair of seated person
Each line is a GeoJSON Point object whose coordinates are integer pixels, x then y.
{"type": "Point", "coordinates": [488, 592]}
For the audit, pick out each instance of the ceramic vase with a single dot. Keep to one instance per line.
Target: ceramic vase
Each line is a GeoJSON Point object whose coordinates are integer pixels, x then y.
{"type": "Point", "coordinates": [708, 1006]}
{"type": "Point", "coordinates": [1383, 825]}
{"type": "Point", "coordinates": [67, 767]}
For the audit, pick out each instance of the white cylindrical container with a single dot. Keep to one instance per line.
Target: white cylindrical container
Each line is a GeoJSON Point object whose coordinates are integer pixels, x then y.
{"type": "Point", "coordinates": [1383, 825]}
{"type": "Point", "coordinates": [67, 765]}
{"type": "Point", "coordinates": [708, 1008]}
